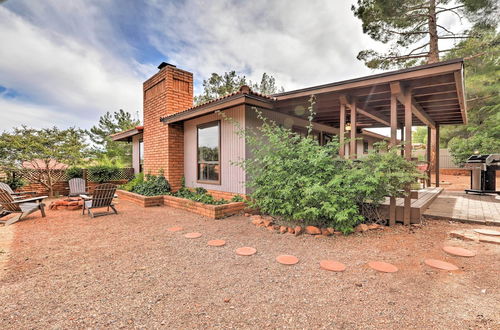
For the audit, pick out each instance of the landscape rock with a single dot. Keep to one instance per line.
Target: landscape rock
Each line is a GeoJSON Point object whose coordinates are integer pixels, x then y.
{"type": "Point", "coordinates": [267, 222]}
{"type": "Point", "coordinates": [325, 232]}
{"type": "Point", "coordinates": [312, 230]}
{"type": "Point", "coordinates": [291, 230]}
{"type": "Point", "coordinates": [465, 235]}
{"type": "Point", "coordinates": [298, 230]}
{"type": "Point", "coordinates": [283, 229]}
{"type": "Point", "coordinates": [489, 239]}
{"type": "Point", "coordinates": [374, 226]}
{"type": "Point", "coordinates": [361, 228]}
{"type": "Point", "coordinates": [331, 230]}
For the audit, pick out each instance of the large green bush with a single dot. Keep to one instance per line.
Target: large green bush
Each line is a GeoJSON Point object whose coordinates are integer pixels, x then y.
{"type": "Point", "coordinates": [297, 179]}
{"type": "Point", "coordinates": [152, 186]}
{"type": "Point", "coordinates": [103, 173]}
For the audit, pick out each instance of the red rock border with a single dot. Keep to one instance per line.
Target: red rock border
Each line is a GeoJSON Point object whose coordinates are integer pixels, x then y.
{"type": "Point", "coordinates": [268, 223]}
{"type": "Point", "coordinates": [210, 211]}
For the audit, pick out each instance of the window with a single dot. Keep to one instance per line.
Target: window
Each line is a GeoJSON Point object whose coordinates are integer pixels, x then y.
{"type": "Point", "coordinates": [141, 154]}
{"type": "Point", "coordinates": [209, 152]}
{"type": "Point", "coordinates": [365, 147]}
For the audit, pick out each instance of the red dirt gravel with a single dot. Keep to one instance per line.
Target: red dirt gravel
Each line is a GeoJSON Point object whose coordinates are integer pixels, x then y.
{"type": "Point", "coordinates": [128, 271]}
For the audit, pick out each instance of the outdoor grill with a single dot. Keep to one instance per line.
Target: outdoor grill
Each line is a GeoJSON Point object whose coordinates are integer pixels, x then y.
{"type": "Point", "coordinates": [483, 173]}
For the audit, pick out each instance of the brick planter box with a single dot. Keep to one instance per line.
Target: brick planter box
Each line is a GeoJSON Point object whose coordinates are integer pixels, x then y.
{"type": "Point", "coordinates": [144, 201]}
{"type": "Point", "coordinates": [210, 211]}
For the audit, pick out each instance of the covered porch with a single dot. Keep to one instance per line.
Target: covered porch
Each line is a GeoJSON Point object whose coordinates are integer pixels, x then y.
{"type": "Point", "coordinates": [429, 95]}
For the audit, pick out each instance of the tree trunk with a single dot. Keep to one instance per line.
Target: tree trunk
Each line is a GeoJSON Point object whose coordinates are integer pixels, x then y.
{"type": "Point", "coordinates": [433, 34]}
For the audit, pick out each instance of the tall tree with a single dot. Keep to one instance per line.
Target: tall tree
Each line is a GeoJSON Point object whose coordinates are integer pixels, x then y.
{"type": "Point", "coordinates": [104, 147]}
{"type": "Point", "coordinates": [482, 72]}
{"type": "Point", "coordinates": [42, 154]}
{"type": "Point", "coordinates": [414, 28]}
{"type": "Point", "coordinates": [229, 82]}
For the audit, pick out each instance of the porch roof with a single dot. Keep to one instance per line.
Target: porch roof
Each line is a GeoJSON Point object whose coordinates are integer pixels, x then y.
{"type": "Point", "coordinates": [437, 90]}
{"type": "Point", "coordinates": [128, 134]}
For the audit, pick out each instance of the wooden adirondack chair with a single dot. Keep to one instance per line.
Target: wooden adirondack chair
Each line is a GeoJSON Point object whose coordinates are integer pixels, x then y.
{"type": "Point", "coordinates": [22, 206]}
{"type": "Point", "coordinates": [77, 187]}
{"type": "Point", "coordinates": [102, 197]}
{"type": "Point", "coordinates": [8, 189]}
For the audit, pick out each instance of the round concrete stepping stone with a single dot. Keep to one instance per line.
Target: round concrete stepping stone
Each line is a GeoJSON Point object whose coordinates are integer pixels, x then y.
{"type": "Point", "coordinates": [458, 251]}
{"type": "Point", "coordinates": [331, 265]}
{"type": "Point", "coordinates": [174, 229]}
{"type": "Point", "coordinates": [489, 232]}
{"type": "Point", "coordinates": [246, 251]}
{"type": "Point", "coordinates": [216, 242]}
{"type": "Point", "coordinates": [287, 259]}
{"type": "Point", "coordinates": [193, 235]}
{"type": "Point", "coordinates": [383, 266]}
{"type": "Point", "coordinates": [439, 264]}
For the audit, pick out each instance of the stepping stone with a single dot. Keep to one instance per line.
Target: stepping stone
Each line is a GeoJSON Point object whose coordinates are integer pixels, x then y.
{"type": "Point", "coordinates": [383, 267]}
{"type": "Point", "coordinates": [174, 229]}
{"type": "Point", "coordinates": [216, 242]}
{"type": "Point", "coordinates": [287, 259]}
{"type": "Point", "coordinates": [489, 232]}
{"type": "Point", "coordinates": [331, 265]}
{"type": "Point", "coordinates": [458, 251]}
{"type": "Point", "coordinates": [439, 264]}
{"type": "Point", "coordinates": [246, 251]}
{"type": "Point", "coordinates": [193, 235]}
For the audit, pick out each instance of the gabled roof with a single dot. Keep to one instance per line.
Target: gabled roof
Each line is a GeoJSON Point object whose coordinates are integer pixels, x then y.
{"type": "Point", "coordinates": [244, 95]}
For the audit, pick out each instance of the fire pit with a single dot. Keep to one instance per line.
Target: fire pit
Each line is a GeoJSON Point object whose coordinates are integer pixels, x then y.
{"type": "Point", "coordinates": [67, 204]}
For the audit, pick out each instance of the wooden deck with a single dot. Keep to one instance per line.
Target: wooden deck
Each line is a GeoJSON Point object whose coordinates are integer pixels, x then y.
{"type": "Point", "coordinates": [458, 206]}
{"type": "Point", "coordinates": [421, 200]}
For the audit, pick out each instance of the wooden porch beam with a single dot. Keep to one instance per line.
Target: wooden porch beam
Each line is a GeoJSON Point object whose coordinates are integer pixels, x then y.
{"type": "Point", "coordinates": [372, 114]}
{"type": "Point", "coordinates": [408, 102]}
{"type": "Point", "coordinates": [353, 143]}
{"type": "Point", "coordinates": [405, 96]}
{"type": "Point", "coordinates": [459, 82]}
{"type": "Point", "coordinates": [342, 130]}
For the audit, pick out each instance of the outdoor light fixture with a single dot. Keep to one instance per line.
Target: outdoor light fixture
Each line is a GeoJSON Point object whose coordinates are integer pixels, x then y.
{"type": "Point", "coordinates": [348, 126]}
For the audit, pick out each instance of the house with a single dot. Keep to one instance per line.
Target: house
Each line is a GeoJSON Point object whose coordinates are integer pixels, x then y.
{"type": "Point", "coordinates": [194, 142]}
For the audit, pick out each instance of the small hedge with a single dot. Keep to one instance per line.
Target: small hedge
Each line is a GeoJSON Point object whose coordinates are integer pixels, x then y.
{"type": "Point", "coordinates": [74, 172]}
{"type": "Point", "coordinates": [199, 195]}
{"type": "Point", "coordinates": [103, 173]}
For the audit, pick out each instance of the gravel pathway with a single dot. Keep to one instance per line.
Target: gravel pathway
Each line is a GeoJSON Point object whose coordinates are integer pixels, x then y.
{"type": "Point", "coordinates": [129, 271]}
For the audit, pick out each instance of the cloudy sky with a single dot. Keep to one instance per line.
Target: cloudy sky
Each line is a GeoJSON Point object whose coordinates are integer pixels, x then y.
{"type": "Point", "coordinates": [65, 63]}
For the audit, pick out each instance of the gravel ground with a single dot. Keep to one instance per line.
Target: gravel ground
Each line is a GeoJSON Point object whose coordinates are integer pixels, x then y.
{"type": "Point", "coordinates": [69, 271]}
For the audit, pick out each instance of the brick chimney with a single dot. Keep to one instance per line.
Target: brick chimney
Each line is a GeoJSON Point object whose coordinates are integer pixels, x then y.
{"type": "Point", "coordinates": [167, 92]}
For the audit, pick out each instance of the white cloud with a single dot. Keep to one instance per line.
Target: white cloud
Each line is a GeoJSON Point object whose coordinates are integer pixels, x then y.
{"type": "Point", "coordinates": [59, 76]}
{"type": "Point", "coordinates": [301, 42]}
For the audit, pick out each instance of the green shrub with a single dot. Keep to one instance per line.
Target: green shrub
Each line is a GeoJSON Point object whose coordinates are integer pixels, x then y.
{"type": "Point", "coordinates": [129, 186]}
{"type": "Point", "coordinates": [199, 195]}
{"type": "Point", "coordinates": [295, 178]}
{"type": "Point", "coordinates": [152, 186]}
{"type": "Point", "coordinates": [74, 172]}
{"type": "Point", "coordinates": [237, 198]}
{"type": "Point", "coordinates": [103, 173]}
{"type": "Point", "coordinates": [14, 180]}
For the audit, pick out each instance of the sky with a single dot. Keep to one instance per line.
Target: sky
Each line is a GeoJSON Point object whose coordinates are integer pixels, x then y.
{"type": "Point", "coordinates": [65, 63]}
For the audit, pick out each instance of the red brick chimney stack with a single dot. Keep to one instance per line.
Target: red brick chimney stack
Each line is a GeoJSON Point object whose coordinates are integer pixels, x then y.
{"type": "Point", "coordinates": [167, 92]}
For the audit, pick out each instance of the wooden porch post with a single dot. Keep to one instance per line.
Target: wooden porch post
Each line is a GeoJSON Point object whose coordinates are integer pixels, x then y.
{"type": "Point", "coordinates": [353, 150]}
{"type": "Point", "coordinates": [434, 153]}
{"type": "Point", "coordinates": [342, 130]}
{"type": "Point", "coordinates": [428, 156]}
{"type": "Point", "coordinates": [394, 129]}
{"type": "Point", "coordinates": [407, 154]}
